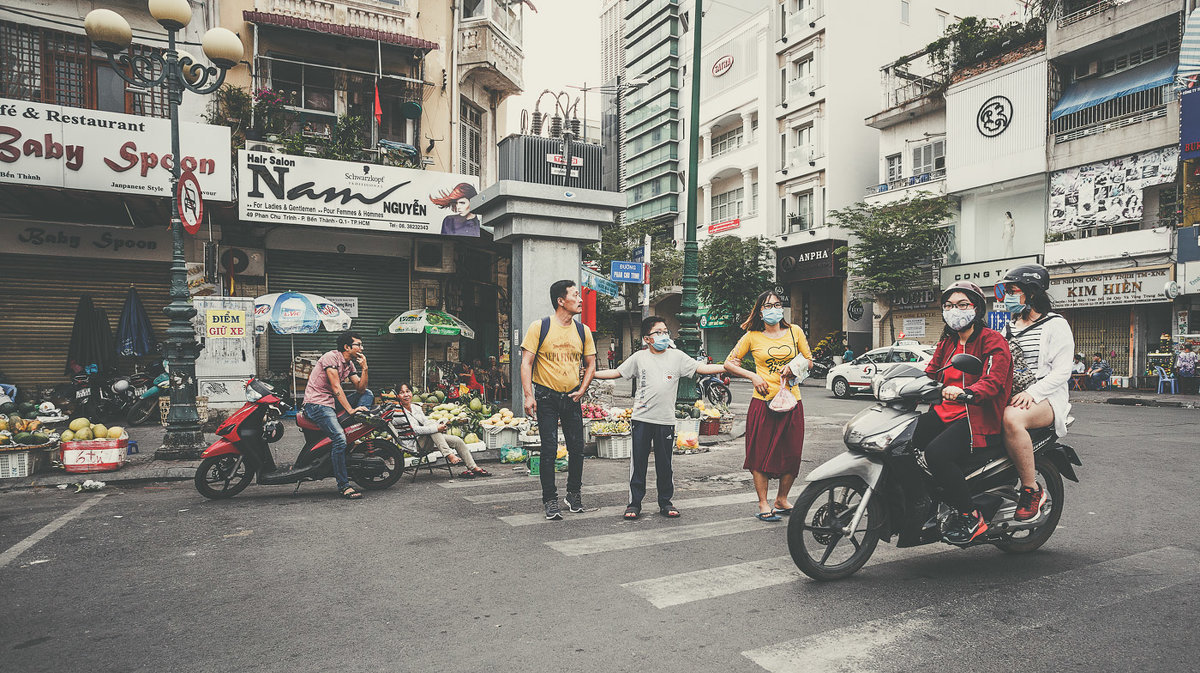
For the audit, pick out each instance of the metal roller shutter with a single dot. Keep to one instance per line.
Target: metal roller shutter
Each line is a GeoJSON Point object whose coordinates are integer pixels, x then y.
{"type": "Point", "coordinates": [1104, 330]}
{"type": "Point", "coordinates": [381, 285]}
{"type": "Point", "coordinates": [38, 297]}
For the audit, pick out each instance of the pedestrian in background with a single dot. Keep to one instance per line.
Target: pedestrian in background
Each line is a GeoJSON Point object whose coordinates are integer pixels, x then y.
{"type": "Point", "coordinates": [774, 440]}
{"type": "Point", "coordinates": [551, 355]}
{"type": "Point", "coordinates": [659, 368]}
{"type": "Point", "coordinates": [1185, 369]}
{"type": "Point", "coordinates": [1099, 373]}
{"type": "Point", "coordinates": [612, 359]}
{"type": "Point", "coordinates": [848, 356]}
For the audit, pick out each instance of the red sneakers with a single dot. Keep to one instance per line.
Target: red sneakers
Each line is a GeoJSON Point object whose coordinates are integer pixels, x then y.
{"type": "Point", "coordinates": [1029, 503]}
{"type": "Point", "coordinates": [963, 528]}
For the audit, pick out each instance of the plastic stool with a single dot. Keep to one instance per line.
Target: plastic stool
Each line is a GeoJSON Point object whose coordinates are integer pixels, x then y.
{"type": "Point", "coordinates": [132, 448]}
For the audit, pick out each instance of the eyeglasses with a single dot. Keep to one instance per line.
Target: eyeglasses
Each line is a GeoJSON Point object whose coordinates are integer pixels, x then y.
{"type": "Point", "coordinates": [777, 304]}
{"type": "Point", "coordinates": [661, 332]}
{"type": "Point", "coordinates": [959, 305]}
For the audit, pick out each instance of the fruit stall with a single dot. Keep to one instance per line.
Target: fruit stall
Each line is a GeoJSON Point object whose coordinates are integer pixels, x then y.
{"type": "Point", "coordinates": [24, 439]}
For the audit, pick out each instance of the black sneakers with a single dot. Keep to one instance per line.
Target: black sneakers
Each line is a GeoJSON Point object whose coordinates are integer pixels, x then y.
{"type": "Point", "coordinates": [962, 528]}
{"type": "Point", "coordinates": [552, 511]}
{"type": "Point", "coordinates": [574, 502]}
{"type": "Point", "coordinates": [1030, 502]}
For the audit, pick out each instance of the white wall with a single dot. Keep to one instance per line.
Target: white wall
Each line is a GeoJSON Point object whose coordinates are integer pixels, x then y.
{"type": "Point", "coordinates": [984, 213]}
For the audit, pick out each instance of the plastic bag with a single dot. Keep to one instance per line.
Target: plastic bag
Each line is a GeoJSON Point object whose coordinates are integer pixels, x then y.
{"type": "Point", "coordinates": [512, 454]}
{"type": "Point", "coordinates": [784, 401]}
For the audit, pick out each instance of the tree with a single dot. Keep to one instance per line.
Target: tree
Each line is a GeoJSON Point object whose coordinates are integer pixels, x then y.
{"type": "Point", "coordinates": [894, 246]}
{"type": "Point", "coordinates": [733, 272]}
{"type": "Point", "coordinates": [617, 243]}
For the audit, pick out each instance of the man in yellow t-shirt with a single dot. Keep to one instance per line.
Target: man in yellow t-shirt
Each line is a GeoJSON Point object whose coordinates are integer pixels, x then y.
{"type": "Point", "coordinates": [551, 355]}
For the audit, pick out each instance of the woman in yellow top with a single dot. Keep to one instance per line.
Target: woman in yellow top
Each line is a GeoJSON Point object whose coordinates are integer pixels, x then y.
{"type": "Point", "coordinates": [774, 440]}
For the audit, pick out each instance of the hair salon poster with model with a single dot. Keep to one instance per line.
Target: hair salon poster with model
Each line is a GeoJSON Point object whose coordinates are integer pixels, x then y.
{"type": "Point", "coordinates": [287, 189]}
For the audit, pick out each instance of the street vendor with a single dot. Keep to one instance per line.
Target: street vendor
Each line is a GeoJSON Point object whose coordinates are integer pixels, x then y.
{"type": "Point", "coordinates": [431, 434]}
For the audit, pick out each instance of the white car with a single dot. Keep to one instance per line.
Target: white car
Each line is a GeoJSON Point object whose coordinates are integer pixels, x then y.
{"type": "Point", "coordinates": [850, 378]}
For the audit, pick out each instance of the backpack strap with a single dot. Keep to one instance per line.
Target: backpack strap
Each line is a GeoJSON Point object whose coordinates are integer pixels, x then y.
{"type": "Point", "coordinates": [545, 329]}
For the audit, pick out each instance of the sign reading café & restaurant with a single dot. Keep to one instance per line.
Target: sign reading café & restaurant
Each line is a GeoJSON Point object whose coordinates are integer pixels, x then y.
{"type": "Point", "coordinates": [73, 148]}
{"type": "Point", "coordinates": [1134, 286]}
{"type": "Point", "coordinates": [290, 189]}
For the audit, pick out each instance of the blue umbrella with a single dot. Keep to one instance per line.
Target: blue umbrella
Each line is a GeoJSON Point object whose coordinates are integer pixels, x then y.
{"type": "Point", "coordinates": [134, 335]}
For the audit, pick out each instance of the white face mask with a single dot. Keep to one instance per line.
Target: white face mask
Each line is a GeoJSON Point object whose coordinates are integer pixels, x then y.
{"type": "Point", "coordinates": [958, 318]}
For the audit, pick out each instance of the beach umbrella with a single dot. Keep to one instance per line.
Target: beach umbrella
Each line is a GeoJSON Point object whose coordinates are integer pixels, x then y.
{"type": "Point", "coordinates": [297, 313]}
{"type": "Point", "coordinates": [134, 335]}
{"type": "Point", "coordinates": [429, 323]}
{"type": "Point", "coordinates": [91, 338]}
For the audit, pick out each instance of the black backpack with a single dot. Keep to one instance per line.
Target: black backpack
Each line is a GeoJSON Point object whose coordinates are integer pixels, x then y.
{"type": "Point", "coordinates": [545, 329]}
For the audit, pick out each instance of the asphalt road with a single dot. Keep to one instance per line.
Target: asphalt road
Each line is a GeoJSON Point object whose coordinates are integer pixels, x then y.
{"type": "Point", "coordinates": [440, 575]}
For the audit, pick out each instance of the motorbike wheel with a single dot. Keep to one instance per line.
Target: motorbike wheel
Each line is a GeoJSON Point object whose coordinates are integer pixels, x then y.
{"type": "Point", "coordinates": [817, 545]}
{"type": "Point", "coordinates": [220, 477]}
{"type": "Point", "coordinates": [141, 411]}
{"type": "Point", "coordinates": [391, 455]}
{"type": "Point", "coordinates": [1029, 539]}
{"type": "Point", "coordinates": [718, 393]}
{"type": "Point", "coordinates": [841, 388]}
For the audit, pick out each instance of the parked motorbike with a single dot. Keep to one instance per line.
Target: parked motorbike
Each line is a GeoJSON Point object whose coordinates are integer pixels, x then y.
{"type": "Point", "coordinates": [714, 388]}
{"type": "Point", "coordinates": [146, 404]}
{"type": "Point", "coordinates": [820, 367]}
{"type": "Point", "coordinates": [881, 488]}
{"type": "Point", "coordinates": [241, 454]}
{"type": "Point", "coordinates": [99, 397]}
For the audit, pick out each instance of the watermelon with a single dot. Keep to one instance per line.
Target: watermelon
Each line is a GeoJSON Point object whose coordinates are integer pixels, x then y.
{"type": "Point", "coordinates": [7, 408]}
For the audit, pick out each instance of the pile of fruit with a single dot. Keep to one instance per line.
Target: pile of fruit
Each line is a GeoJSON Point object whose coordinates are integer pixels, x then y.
{"type": "Point", "coordinates": [697, 410]}
{"type": "Point", "coordinates": [501, 419]}
{"type": "Point", "coordinates": [606, 428]}
{"type": "Point", "coordinates": [82, 430]}
{"type": "Point", "coordinates": [17, 432]}
{"type": "Point", "coordinates": [593, 410]}
{"type": "Point", "coordinates": [617, 413]}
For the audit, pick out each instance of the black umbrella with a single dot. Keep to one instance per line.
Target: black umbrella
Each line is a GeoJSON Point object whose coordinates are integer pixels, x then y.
{"type": "Point", "coordinates": [134, 334]}
{"type": "Point", "coordinates": [91, 338]}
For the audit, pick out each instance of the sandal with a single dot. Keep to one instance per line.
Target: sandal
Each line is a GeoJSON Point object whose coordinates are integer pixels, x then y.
{"type": "Point", "coordinates": [632, 513]}
{"type": "Point", "coordinates": [768, 516]}
{"type": "Point", "coordinates": [350, 494]}
{"type": "Point", "coordinates": [670, 512]}
{"type": "Point", "coordinates": [782, 511]}
{"type": "Point", "coordinates": [467, 474]}
{"type": "Point", "coordinates": [480, 472]}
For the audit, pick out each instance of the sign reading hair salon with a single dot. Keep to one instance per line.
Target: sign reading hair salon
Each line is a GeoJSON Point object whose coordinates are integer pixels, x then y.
{"type": "Point", "coordinates": [287, 189]}
{"type": "Point", "coordinates": [73, 148]}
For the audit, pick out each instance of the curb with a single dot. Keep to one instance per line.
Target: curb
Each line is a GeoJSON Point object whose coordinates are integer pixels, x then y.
{"type": "Point", "coordinates": [1139, 402]}
{"type": "Point", "coordinates": [165, 473]}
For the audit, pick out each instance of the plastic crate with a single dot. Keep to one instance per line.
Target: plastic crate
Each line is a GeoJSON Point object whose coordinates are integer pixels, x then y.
{"type": "Point", "coordinates": [16, 464]}
{"type": "Point", "coordinates": [94, 455]}
{"type": "Point", "coordinates": [614, 446]}
{"type": "Point", "coordinates": [710, 426]}
{"type": "Point", "coordinates": [495, 438]}
{"type": "Point", "coordinates": [687, 425]}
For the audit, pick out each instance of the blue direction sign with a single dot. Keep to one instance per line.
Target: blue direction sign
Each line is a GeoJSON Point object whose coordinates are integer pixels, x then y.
{"type": "Point", "coordinates": [639, 254]}
{"type": "Point", "coordinates": [600, 284]}
{"type": "Point", "coordinates": [627, 272]}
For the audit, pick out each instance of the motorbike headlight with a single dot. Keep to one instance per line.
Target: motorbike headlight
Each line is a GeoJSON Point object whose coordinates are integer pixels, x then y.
{"type": "Point", "coordinates": [890, 389]}
{"type": "Point", "coordinates": [252, 394]}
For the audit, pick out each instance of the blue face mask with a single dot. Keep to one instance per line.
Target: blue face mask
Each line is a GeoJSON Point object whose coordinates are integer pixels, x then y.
{"type": "Point", "coordinates": [1012, 304]}
{"type": "Point", "coordinates": [772, 316]}
{"type": "Point", "coordinates": [661, 342]}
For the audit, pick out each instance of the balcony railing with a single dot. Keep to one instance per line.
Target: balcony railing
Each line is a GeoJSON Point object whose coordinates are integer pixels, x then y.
{"type": "Point", "coordinates": [1116, 113]}
{"type": "Point", "coordinates": [800, 88]}
{"type": "Point", "coordinates": [803, 21]}
{"type": "Point", "coordinates": [390, 17]}
{"type": "Point", "coordinates": [912, 180]}
{"type": "Point", "coordinates": [798, 157]}
{"type": "Point", "coordinates": [1072, 12]}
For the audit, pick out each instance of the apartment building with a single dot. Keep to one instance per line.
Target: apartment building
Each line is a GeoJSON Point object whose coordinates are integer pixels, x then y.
{"type": "Point", "coordinates": [612, 77]}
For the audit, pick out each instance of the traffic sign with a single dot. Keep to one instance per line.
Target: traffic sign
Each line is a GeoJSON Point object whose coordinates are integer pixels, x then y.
{"type": "Point", "coordinates": [600, 284]}
{"type": "Point", "coordinates": [190, 202]}
{"type": "Point", "coordinates": [639, 254]}
{"type": "Point", "coordinates": [627, 272]}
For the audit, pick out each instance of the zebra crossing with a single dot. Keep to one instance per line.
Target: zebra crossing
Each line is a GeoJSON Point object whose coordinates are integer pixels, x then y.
{"type": "Point", "coordinates": [880, 644]}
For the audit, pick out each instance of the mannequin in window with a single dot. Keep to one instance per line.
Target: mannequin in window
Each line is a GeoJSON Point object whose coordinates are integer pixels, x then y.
{"type": "Point", "coordinates": [1007, 232]}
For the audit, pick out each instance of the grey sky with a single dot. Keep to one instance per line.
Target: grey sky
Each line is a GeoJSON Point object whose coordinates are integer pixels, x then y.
{"type": "Point", "coordinates": [562, 48]}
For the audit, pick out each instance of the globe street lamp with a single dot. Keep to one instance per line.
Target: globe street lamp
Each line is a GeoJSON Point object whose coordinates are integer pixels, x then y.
{"type": "Point", "coordinates": [177, 70]}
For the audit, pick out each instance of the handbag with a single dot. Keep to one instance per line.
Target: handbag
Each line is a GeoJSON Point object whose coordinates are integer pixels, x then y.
{"type": "Point", "coordinates": [1022, 376]}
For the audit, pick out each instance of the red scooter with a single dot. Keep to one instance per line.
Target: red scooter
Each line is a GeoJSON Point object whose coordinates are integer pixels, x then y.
{"type": "Point", "coordinates": [242, 452]}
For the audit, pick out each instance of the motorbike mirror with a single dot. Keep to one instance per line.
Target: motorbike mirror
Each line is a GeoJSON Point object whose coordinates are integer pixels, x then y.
{"type": "Point", "coordinates": [967, 364]}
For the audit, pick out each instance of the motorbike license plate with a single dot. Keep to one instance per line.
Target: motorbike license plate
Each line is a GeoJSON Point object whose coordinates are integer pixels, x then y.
{"type": "Point", "coordinates": [139, 391]}
{"type": "Point", "coordinates": [80, 394]}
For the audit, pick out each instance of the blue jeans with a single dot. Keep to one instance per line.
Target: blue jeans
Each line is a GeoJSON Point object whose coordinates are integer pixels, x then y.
{"type": "Point", "coordinates": [553, 407]}
{"type": "Point", "coordinates": [326, 418]}
{"type": "Point", "coordinates": [1097, 379]}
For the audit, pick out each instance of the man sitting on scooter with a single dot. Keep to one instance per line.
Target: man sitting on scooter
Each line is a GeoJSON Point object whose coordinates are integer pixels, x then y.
{"type": "Point", "coordinates": [324, 395]}
{"type": "Point", "coordinates": [950, 430]}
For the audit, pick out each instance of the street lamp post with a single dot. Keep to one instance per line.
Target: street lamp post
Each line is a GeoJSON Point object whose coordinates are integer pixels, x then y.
{"type": "Point", "coordinates": [689, 321]}
{"type": "Point", "coordinates": [177, 71]}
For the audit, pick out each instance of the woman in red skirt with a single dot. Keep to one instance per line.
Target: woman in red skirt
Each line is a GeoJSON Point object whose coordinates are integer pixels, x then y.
{"type": "Point", "coordinates": [774, 440]}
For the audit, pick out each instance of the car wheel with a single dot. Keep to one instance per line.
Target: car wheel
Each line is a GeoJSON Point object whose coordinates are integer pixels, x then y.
{"type": "Point", "coordinates": [841, 388]}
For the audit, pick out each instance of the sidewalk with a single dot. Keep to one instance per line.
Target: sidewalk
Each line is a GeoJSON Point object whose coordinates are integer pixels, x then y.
{"type": "Point", "coordinates": [1135, 398]}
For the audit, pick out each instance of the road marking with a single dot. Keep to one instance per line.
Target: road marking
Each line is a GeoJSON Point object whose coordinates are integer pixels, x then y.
{"type": "Point", "coordinates": [481, 481]}
{"type": "Point", "coordinates": [615, 512]}
{"type": "Point", "coordinates": [646, 538]}
{"type": "Point", "coordinates": [887, 643]}
{"type": "Point", "coordinates": [536, 494]}
{"type": "Point", "coordinates": [16, 550]}
{"type": "Point", "coordinates": [697, 585]}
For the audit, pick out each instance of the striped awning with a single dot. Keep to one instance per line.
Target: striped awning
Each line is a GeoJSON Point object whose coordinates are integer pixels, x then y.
{"type": "Point", "coordinates": [1189, 50]}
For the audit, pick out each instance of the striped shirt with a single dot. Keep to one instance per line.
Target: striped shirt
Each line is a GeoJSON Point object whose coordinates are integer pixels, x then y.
{"type": "Point", "coordinates": [1030, 340]}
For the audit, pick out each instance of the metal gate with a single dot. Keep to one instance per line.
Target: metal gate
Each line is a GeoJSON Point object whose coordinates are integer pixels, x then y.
{"type": "Point", "coordinates": [1103, 330]}
{"type": "Point", "coordinates": [381, 286]}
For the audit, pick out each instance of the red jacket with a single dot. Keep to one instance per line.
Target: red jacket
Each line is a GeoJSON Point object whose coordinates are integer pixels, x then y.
{"type": "Point", "coordinates": [993, 387]}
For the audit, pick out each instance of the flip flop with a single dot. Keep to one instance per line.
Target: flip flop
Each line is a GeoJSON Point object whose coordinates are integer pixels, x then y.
{"type": "Point", "coordinates": [768, 516]}
{"type": "Point", "coordinates": [782, 511]}
{"type": "Point", "coordinates": [479, 471]}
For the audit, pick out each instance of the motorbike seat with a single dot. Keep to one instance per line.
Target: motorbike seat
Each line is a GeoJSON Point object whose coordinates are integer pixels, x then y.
{"type": "Point", "coordinates": [304, 423]}
{"type": "Point", "coordinates": [1041, 435]}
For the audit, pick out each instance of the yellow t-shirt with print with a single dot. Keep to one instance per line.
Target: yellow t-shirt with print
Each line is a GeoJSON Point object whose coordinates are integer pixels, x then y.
{"type": "Point", "coordinates": [556, 364]}
{"type": "Point", "coordinates": [770, 355]}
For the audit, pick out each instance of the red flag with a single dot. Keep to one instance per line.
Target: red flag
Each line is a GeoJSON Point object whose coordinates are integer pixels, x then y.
{"type": "Point", "coordinates": [589, 308]}
{"type": "Point", "coordinates": [378, 107]}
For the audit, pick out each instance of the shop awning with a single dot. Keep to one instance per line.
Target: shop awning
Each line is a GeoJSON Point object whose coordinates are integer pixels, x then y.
{"type": "Point", "coordinates": [272, 19]}
{"type": "Point", "coordinates": [1189, 49]}
{"type": "Point", "coordinates": [1092, 92]}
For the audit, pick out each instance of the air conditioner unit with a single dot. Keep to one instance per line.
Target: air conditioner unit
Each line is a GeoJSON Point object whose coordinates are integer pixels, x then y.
{"type": "Point", "coordinates": [241, 261]}
{"type": "Point", "coordinates": [939, 163]}
{"type": "Point", "coordinates": [1086, 70]}
{"type": "Point", "coordinates": [434, 257]}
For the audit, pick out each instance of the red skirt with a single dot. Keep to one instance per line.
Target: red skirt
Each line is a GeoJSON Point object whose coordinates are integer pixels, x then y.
{"type": "Point", "coordinates": [774, 441]}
